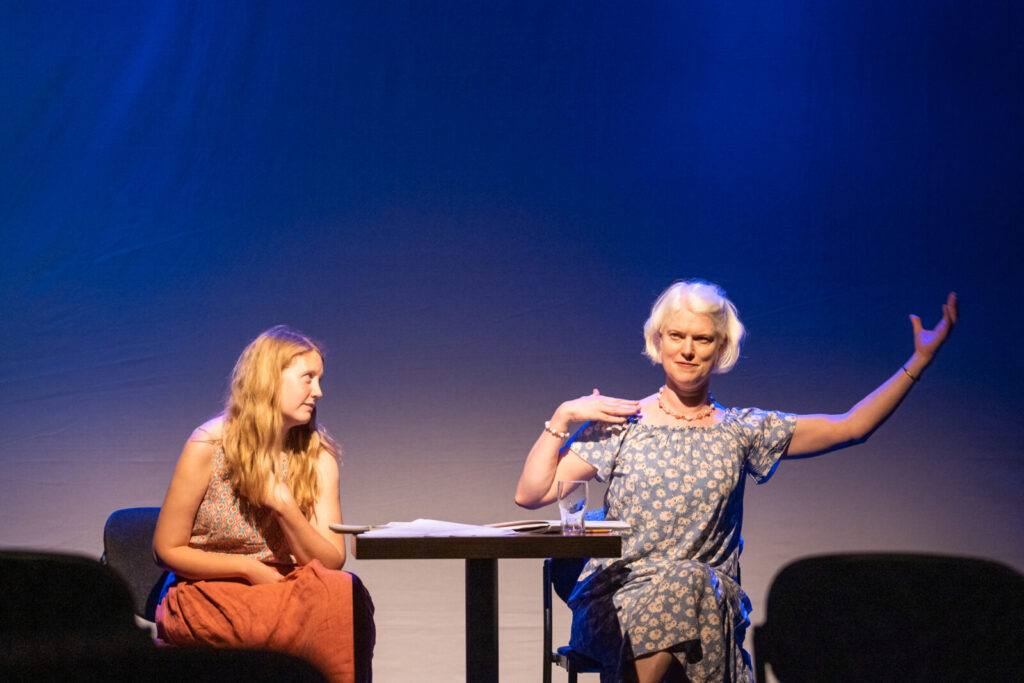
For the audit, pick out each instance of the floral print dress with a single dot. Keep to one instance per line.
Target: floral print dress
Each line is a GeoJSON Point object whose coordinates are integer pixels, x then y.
{"type": "Point", "coordinates": [225, 523]}
{"type": "Point", "coordinates": [676, 587]}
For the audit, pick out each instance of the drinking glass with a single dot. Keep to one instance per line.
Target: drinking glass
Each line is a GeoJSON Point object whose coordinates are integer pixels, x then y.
{"type": "Point", "coordinates": [572, 506]}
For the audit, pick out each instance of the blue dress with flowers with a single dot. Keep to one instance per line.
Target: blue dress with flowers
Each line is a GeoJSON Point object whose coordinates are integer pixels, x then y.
{"type": "Point", "coordinates": [675, 587]}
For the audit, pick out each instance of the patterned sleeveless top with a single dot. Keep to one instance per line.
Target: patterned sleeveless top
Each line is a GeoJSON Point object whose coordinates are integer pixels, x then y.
{"type": "Point", "coordinates": [226, 524]}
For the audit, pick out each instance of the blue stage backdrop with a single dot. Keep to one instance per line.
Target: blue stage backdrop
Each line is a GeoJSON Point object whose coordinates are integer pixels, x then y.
{"type": "Point", "coordinates": [473, 205]}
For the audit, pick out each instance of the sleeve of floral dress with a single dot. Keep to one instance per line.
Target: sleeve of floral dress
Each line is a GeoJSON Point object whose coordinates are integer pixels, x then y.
{"type": "Point", "coordinates": [769, 434]}
{"type": "Point", "coordinates": [597, 443]}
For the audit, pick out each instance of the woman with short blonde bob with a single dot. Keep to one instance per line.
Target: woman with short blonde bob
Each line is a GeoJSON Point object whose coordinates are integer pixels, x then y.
{"type": "Point", "coordinates": [671, 608]}
{"type": "Point", "coordinates": [245, 523]}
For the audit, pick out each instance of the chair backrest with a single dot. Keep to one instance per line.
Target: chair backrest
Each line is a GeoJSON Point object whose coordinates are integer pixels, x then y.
{"type": "Point", "coordinates": [59, 611]}
{"type": "Point", "coordinates": [565, 571]}
{"type": "Point", "coordinates": [892, 617]}
{"type": "Point", "coordinates": [128, 550]}
{"type": "Point", "coordinates": [106, 659]}
{"type": "Point", "coordinates": [50, 595]}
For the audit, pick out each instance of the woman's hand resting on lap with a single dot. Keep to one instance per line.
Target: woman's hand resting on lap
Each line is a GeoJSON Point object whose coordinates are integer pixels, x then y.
{"type": "Point", "coordinates": [258, 573]}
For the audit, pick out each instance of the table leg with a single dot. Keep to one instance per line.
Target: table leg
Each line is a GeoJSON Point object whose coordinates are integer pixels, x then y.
{"type": "Point", "coordinates": [482, 620]}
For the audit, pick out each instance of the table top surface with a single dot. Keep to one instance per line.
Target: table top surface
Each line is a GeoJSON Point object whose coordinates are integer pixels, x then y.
{"type": "Point", "coordinates": [487, 547]}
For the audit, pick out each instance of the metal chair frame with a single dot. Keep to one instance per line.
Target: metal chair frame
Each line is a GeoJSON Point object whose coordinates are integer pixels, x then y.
{"type": "Point", "coordinates": [560, 575]}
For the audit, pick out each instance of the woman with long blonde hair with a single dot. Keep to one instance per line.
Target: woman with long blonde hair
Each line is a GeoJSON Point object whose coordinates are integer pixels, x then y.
{"type": "Point", "coordinates": [245, 523]}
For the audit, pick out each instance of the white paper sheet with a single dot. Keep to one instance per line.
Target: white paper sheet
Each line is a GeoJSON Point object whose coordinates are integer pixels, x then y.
{"type": "Point", "coordinates": [434, 528]}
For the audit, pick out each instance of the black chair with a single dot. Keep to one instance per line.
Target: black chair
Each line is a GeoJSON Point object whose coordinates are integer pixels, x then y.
{"type": "Point", "coordinates": [561, 574]}
{"type": "Point", "coordinates": [67, 617]}
{"type": "Point", "coordinates": [57, 608]}
{"type": "Point", "coordinates": [50, 595]}
{"type": "Point", "coordinates": [128, 550]}
{"type": "Point", "coordinates": [892, 617]}
{"type": "Point", "coordinates": [96, 659]}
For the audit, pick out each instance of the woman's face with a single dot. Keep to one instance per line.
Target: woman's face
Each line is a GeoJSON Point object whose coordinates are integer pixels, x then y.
{"type": "Point", "coordinates": [300, 389]}
{"type": "Point", "coordinates": [689, 349]}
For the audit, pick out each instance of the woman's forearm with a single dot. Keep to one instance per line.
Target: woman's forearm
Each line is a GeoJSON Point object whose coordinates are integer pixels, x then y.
{"type": "Point", "coordinates": [546, 464]}
{"type": "Point", "coordinates": [193, 563]}
{"type": "Point", "coordinates": [306, 542]}
{"type": "Point", "coordinates": [818, 434]}
{"type": "Point", "coordinates": [875, 408]}
{"type": "Point", "coordinates": [537, 480]}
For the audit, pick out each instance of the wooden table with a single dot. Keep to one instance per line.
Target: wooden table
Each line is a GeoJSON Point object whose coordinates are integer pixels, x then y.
{"type": "Point", "coordinates": [482, 555]}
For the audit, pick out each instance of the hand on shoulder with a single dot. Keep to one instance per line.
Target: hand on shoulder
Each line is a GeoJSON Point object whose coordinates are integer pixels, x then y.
{"type": "Point", "coordinates": [594, 406]}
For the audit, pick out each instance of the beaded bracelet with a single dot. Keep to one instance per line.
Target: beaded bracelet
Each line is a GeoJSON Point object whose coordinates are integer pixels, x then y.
{"type": "Point", "coordinates": [908, 374]}
{"type": "Point", "coordinates": [554, 432]}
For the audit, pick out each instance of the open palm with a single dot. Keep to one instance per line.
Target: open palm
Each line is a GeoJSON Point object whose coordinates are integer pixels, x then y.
{"type": "Point", "coordinates": [928, 342]}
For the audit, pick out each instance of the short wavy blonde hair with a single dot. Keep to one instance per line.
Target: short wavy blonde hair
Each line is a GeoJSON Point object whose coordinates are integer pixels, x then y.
{"type": "Point", "coordinates": [252, 419]}
{"type": "Point", "coordinates": [700, 297]}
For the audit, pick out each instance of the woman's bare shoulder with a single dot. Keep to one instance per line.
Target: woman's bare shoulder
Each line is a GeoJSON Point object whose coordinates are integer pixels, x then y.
{"type": "Point", "coordinates": [327, 464]}
{"type": "Point", "coordinates": [649, 401]}
{"type": "Point", "coordinates": [203, 443]}
{"type": "Point", "coordinates": [211, 431]}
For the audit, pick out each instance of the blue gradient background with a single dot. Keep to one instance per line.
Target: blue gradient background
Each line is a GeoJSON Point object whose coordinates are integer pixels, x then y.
{"type": "Point", "coordinates": [473, 205]}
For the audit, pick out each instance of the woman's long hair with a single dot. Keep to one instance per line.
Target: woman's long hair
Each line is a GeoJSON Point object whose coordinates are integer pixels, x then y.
{"type": "Point", "coordinates": [252, 421]}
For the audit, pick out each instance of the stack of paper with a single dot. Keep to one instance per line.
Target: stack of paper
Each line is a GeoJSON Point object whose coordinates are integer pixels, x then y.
{"type": "Point", "coordinates": [436, 528]}
{"type": "Point", "coordinates": [429, 528]}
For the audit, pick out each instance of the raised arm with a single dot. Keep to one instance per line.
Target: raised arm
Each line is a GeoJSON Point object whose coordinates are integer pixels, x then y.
{"type": "Point", "coordinates": [817, 434]}
{"type": "Point", "coordinates": [546, 464]}
{"type": "Point", "coordinates": [177, 514]}
{"type": "Point", "coordinates": [312, 539]}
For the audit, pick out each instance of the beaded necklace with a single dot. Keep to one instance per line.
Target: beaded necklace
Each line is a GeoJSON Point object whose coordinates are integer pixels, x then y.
{"type": "Point", "coordinates": [706, 412]}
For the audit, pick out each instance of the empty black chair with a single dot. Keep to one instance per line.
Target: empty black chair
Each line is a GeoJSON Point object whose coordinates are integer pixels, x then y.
{"type": "Point", "coordinates": [892, 617]}
{"type": "Point", "coordinates": [128, 550]}
{"type": "Point", "coordinates": [51, 595]}
{"type": "Point", "coordinates": [57, 608]}
{"type": "Point", "coordinates": [92, 660]}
